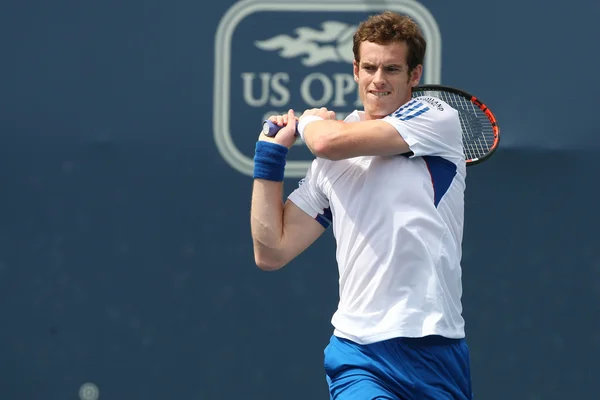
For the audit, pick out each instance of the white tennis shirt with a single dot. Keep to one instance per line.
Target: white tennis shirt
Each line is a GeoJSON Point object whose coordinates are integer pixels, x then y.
{"type": "Point", "coordinates": [398, 225]}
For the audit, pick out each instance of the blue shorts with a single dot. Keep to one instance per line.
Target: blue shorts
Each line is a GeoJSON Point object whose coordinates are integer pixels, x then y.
{"type": "Point", "coordinates": [400, 369]}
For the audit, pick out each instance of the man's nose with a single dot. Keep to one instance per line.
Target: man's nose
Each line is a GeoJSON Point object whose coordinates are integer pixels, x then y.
{"type": "Point", "coordinates": [379, 77]}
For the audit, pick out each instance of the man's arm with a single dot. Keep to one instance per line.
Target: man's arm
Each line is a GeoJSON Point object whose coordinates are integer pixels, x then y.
{"type": "Point", "coordinates": [419, 130]}
{"type": "Point", "coordinates": [337, 140]}
{"type": "Point", "coordinates": [279, 232]}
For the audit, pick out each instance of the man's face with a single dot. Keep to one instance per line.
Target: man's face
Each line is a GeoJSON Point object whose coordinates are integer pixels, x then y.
{"type": "Point", "coordinates": [384, 83]}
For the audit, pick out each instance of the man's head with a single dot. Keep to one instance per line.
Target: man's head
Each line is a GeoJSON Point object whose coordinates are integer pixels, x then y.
{"type": "Point", "coordinates": [388, 62]}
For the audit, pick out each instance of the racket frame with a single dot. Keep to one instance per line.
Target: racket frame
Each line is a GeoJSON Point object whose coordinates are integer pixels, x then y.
{"type": "Point", "coordinates": [477, 102]}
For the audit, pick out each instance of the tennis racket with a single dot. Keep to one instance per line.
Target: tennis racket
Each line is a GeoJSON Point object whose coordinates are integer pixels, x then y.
{"type": "Point", "coordinates": [480, 130]}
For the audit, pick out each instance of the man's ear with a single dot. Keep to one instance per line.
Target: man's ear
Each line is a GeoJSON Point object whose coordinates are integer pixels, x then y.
{"type": "Point", "coordinates": [415, 75]}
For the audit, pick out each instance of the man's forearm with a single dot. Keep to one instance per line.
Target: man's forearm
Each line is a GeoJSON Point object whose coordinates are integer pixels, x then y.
{"type": "Point", "coordinates": [266, 218]}
{"type": "Point", "coordinates": [318, 137]}
{"type": "Point", "coordinates": [337, 140]}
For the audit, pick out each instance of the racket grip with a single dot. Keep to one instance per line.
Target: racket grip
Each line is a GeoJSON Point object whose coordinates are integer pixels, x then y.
{"type": "Point", "coordinates": [270, 129]}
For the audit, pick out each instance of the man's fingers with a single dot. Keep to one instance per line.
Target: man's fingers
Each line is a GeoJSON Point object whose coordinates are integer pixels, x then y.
{"type": "Point", "coordinates": [290, 116]}
{"type": "Point", "coordinates": [279, 120]}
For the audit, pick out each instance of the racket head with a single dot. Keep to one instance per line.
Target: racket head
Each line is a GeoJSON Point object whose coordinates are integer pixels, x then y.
{"type": "Point", "coordinates": [480, 130]}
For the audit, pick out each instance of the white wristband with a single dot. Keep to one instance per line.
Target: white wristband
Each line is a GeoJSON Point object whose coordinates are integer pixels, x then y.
{"type": "Point", "coordinates": [305, 121]}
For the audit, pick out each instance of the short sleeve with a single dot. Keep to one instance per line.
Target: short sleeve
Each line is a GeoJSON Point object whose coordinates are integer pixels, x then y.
{"type": "Point", "coordinates": [430, 127]}
{"type": "Point", "coordinates": [310, 198]}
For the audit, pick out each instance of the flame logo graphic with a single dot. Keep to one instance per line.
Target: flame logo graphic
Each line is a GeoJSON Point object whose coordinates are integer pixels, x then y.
{"type": "Point", "coordinates": [333, 43]}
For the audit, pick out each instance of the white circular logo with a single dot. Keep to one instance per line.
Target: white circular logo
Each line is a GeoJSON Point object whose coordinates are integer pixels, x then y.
{"type": "Point", "coordinates": [89, 391]}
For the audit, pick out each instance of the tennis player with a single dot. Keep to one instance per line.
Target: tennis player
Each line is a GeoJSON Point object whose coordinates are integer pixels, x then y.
{"type": "Point", "coordinates": [390, 180]}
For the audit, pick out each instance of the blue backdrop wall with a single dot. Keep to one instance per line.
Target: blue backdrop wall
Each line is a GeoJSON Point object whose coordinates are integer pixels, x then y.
{"type": "Point", "coordinates": [127, 131]}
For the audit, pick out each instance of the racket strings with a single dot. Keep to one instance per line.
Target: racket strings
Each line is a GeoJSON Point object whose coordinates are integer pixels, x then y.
{"type": "Point", "coordinates": [478, 135]}
{"type": "Point", "coordinates": [473, 133]}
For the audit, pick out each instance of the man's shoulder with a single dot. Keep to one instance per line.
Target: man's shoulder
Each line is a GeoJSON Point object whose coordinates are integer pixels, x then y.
{"type": "Point", "coordinates": [435, 103]}
{"type": "Point", "coordinates": [425, 108]}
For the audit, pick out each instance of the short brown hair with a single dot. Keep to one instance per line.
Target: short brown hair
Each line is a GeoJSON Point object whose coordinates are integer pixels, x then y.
{"type": "Point", "coordinates": [389, 27]}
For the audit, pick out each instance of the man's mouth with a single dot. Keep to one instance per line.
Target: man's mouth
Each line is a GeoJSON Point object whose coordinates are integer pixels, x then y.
{"type": "Point", "coordinates": [379, 93]}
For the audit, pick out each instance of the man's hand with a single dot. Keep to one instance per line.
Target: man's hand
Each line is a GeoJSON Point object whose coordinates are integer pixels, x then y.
{"type": "Point", "coordinates": [286, 135]}
{"type": "Point", "coordinates": [319, 112]}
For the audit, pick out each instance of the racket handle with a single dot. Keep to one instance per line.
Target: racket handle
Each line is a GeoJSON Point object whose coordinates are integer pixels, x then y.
{"type": "Point", "coordinates": [270, 129]}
